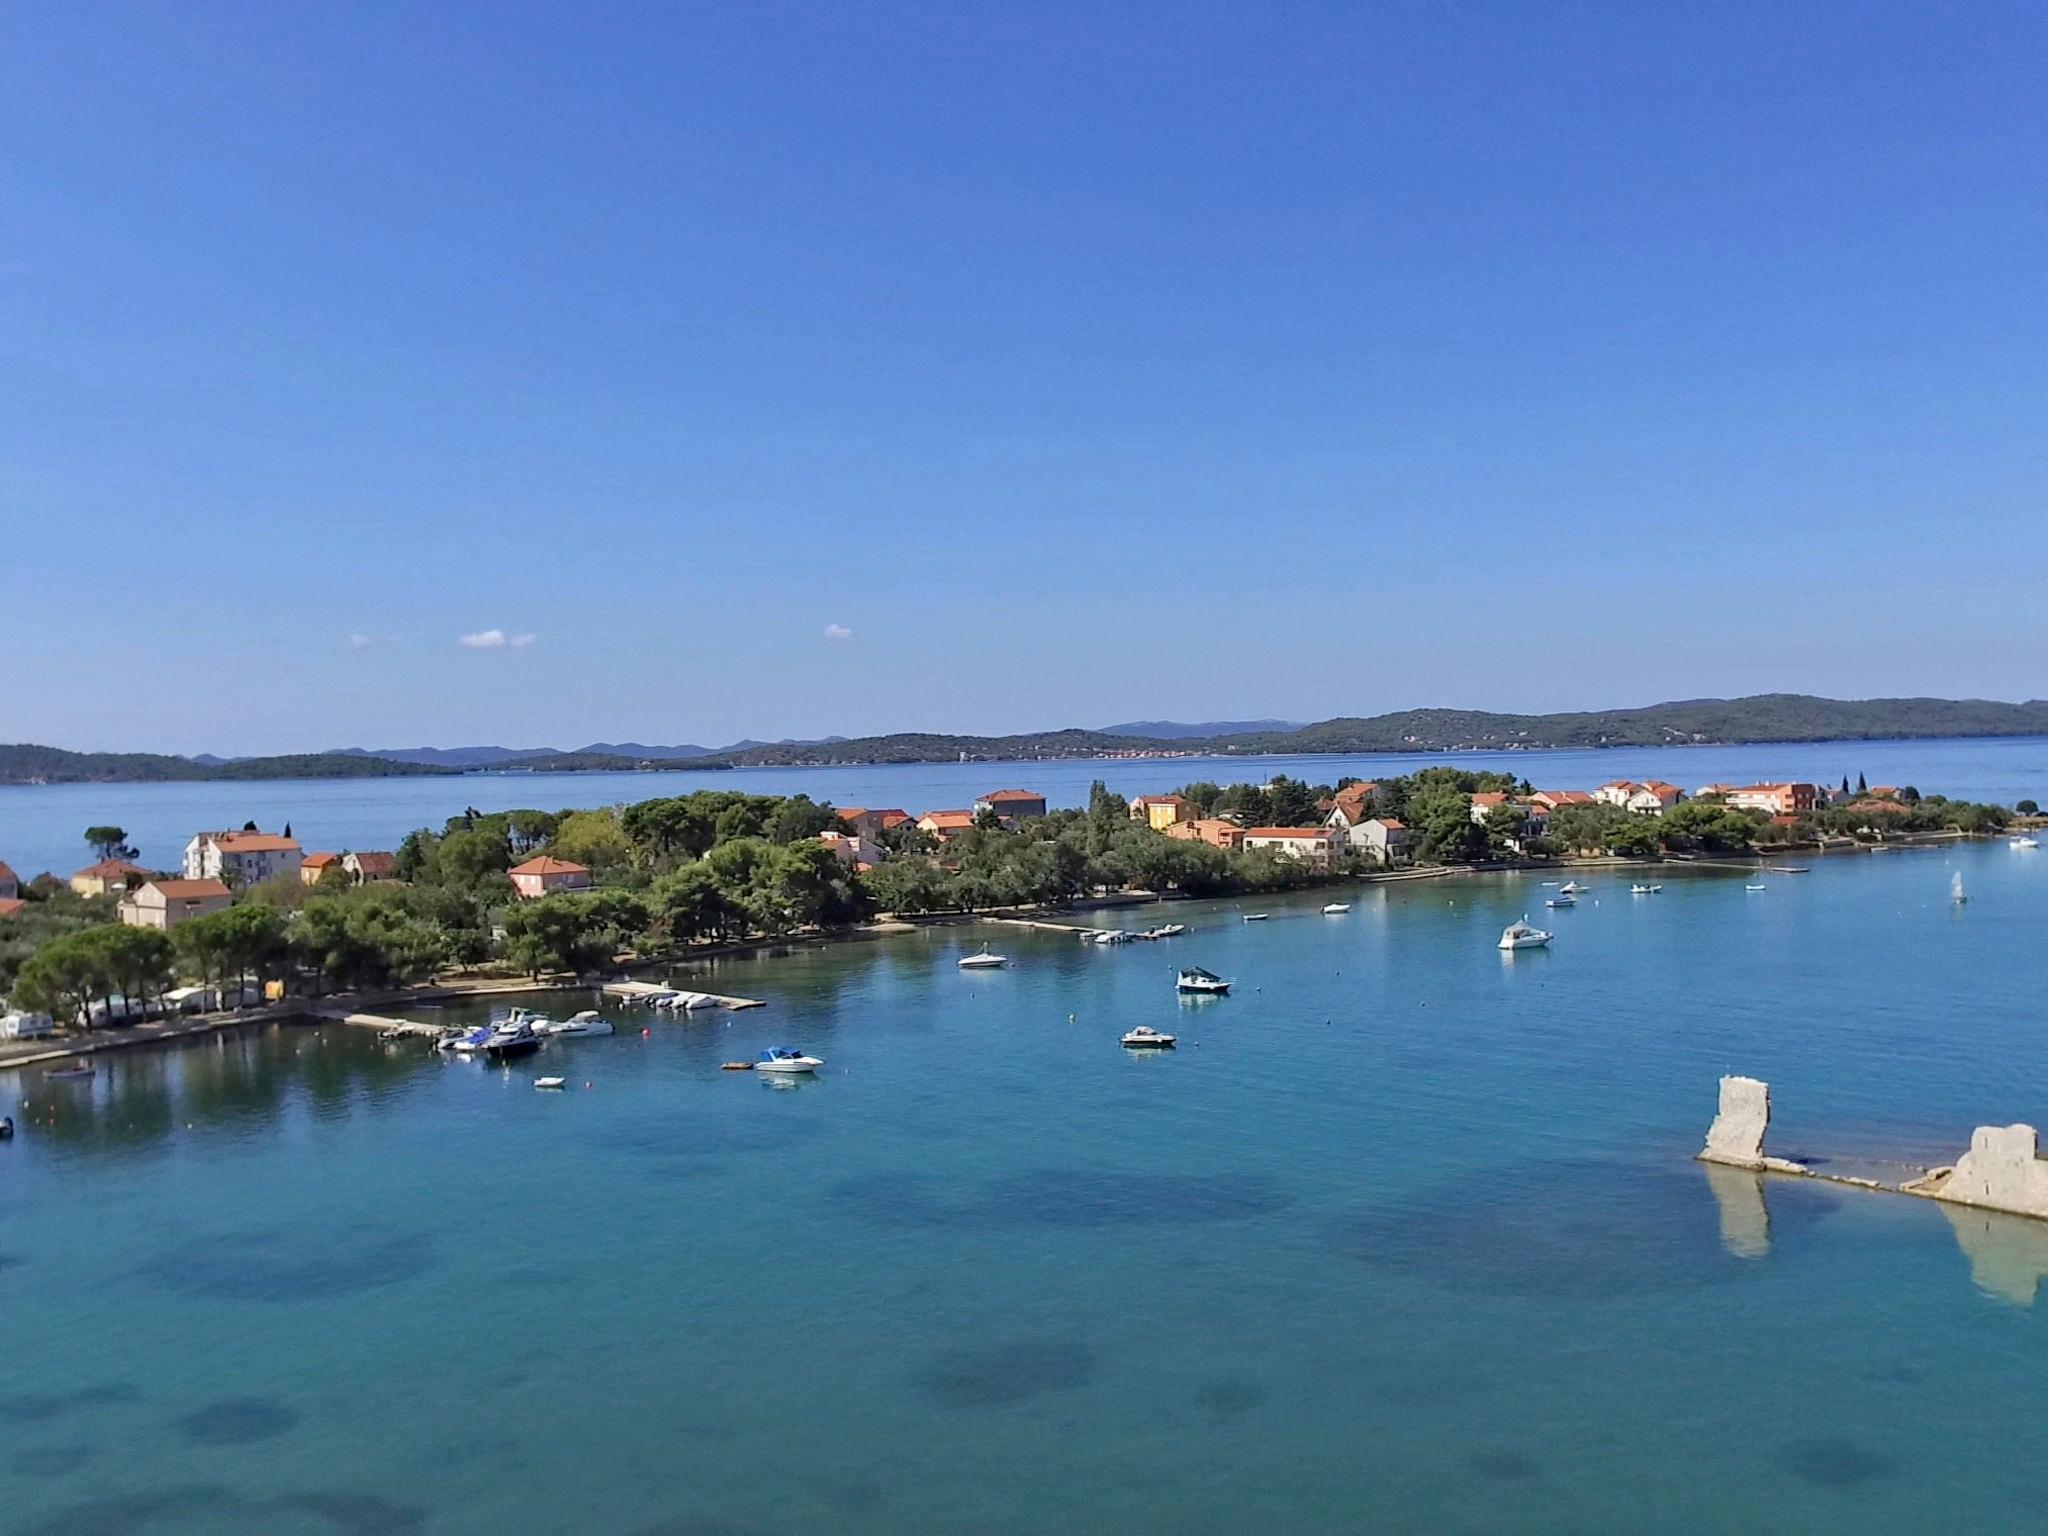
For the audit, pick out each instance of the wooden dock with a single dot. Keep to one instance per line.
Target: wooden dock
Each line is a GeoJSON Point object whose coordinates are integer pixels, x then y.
{"type": "Point", "coordinates": [379, 1021]}
{"type": "Point", "coordinates": [641, 991]}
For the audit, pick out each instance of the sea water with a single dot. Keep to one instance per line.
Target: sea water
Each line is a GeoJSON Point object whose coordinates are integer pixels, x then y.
{"type": "Point", "coordinates": [1404, 1237]}
{"type": "Point", "coordinates": [43, 826]}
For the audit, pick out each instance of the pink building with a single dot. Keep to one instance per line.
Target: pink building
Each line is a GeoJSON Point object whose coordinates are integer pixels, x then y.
{"type": "Point", "coordinates": [543, 876]}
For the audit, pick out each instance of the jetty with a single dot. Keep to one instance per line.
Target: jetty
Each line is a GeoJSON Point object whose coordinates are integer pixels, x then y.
{"type": "Point", "coordinates": [377, 1021]}
{"type": "Point", "coordinates": [644, 991]}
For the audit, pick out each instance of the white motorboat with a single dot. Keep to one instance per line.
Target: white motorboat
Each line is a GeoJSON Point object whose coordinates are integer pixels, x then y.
{"type": "Point", "coordinates": [2026, 842]}
{"type": "Point", "coordinates": [550, 1082]}
{"type": "Point", "coordinates": [983, 961]}
{"type": "Point", "coordinates": [1644, 890]}
{"type": "Point", "coordinates": [587, 1023]}
{"type": "Point", "coordinates": [465, 1042]}
{"type": "Point", "coordinates": [1332, 909]}
{"type": "Point", "coordinates": [1562, 899]}
{"type": "Point", "coordinates": [787, 1058]}
{"type": "Point", "coordinates": [1256, 917]}
{"type": "Point", "coordinates": [1145, 1038]}
{"type": "Point", "coordinates": [1203, 983]}
{"type": "Point", "coordinates": [1112, 936]}
{"type": "Point", "coordinates": [1171, 930]}
{"type": "Point", "coordinates": [1522, 935]}
{"type": "Point", "coordinates": [688, 1002]}
{"type": "Point", "coordinates": [1956, 893]}
{"type": "Point", "coordinates": [1759, 885]}
{"type": "Point", "coordinates": [1570, 888]}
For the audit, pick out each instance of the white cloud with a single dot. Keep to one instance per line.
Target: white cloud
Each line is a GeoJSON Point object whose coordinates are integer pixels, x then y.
{"type": "Point", "coordinates": [361, 642]}
{"type": "Point", "coordinates": [838, 632]}
{"type": "Point", "coordinates": [494, 640]}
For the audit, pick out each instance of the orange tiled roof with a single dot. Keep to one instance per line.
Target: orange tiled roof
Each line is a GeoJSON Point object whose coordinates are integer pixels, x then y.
{"type": "Point", "coordinates": [547, 864]}
{"type": "Point", "coordinates": [254, 842]}
{"type": "Point", "coordinates": [107, 869]}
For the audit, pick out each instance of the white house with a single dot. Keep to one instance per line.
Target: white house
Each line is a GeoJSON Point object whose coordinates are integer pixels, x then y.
{"type": "Point", "coordinates": [244, 857]}
{"type": "Point", "coordinates": [1654, 798]}
{"type": "Point", "coordinates": [1312, 845]}
{"type": "Point", "coordinates": [1385, 838]}
{"type": "Point", "coordinates": [851, 848]}
{"type": "Point", "coordinates": [167, 903]}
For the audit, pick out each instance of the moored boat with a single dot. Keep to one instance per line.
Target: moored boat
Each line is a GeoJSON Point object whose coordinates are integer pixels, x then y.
{"type": "Point", "coordinates": [787, 1058]}
{"type": "Point", "coordinates": [1205, 983]}
{"type": "Point", "coordinates": [515, 1037]}
{"type": "Point", "coordinates": [1644, 890]}
{"type": "Point", "coordinates": [550, 1082]}
{"type": "Point", "coordinates": [587, 1023]}
{"type": "Point", "coordinates": [465, 1042]}
{"type": "Point", "coordinates": [1256, 917]}
{"type": "Point", "coordinates": [983, 961]}
{"type": "Point", "coordinates": [1562, 899]}
{"type": "Point", "coordinates": [68, 1074]}
{"type": "Point", "coordinates": [1522, 934]}
{"type": "Point", "coordinates": [1956, 892]}
{"type": "Point", "coordinates": [1331, 909]}
{"type": "Point", "coordinates": [1145, 1038]}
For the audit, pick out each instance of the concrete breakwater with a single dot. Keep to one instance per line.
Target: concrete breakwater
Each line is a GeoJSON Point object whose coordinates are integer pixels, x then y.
{"type": "Point", "coordinates": [2001, 1171]}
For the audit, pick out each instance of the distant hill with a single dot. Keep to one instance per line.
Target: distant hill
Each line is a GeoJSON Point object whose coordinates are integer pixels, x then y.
{"type": "Point", "coordinates": [925, 747]}
{"type": "Point", "coordinates": [24, 763]}
{"type": "Point", "coordinates": [1770, 717]}
{"type": "Point", "coordinates": [1765, 717]}
{"type": "Point", "coordinates": [1177, 730]}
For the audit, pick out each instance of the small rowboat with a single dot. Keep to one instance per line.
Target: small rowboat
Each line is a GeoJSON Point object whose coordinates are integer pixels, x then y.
{"type": "Point", "coordinates": [68, 1074]}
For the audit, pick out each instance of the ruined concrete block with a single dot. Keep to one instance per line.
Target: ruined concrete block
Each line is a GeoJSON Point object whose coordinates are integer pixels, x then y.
{"type": "Point", "coordinates": [1737, 1135]}
{"type": "Point", "coordinates": [2002, 1171]}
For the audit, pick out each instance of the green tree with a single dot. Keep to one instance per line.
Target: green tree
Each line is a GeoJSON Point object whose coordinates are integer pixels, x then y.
{"type": "Point", "coordinates": [109, 842]}
{"type": "Point", "coordinates": [691, 904]}
{"type": "Point", "coordinates": [2028, 808]}
{"type": "Point", "coordinates": [594, 839]}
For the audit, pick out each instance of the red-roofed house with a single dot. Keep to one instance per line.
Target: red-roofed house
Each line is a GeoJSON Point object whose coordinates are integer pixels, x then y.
{"type": "Point", "coordinates": [314, 865]}
{"type": "Point", "coordinates": [1012, 805]}
{"type": "Point", "coordinates": [1312, 845]}
{"type": "Point", "coordinates": [167, 903]}
{"type": "Point", "coordinates": [1775, 799]}
{"type": "Point", "coordinates": [544, 875]}
{"type": "Point", "coordinates": [1653, 797]}
{"type": "Point", "coordinates": [11, 906]}
{"type": "Point", "coordinates": [1161, 811]}
{"type": "Point", "coordinates": [1554, 798]}
{"type": "Point", "coordinates": [945, 824]}
{"type": "Point", "coordinates": [1214, 831]}
{"type": "Point", "coordinates": [108, 875]}
{"type": "Point", "coordinates": [1616, 792]}
{"type": "Point", "coordinates": [1385, 838]}
{"type": "Point", "coordinates": [872, 824]}
{"type": "Point", "coordinates": [1354, 803]}
{"type": "Point", "coordinates": [368, 867]}
{"type": "Point", "coordinates": [851, 848]}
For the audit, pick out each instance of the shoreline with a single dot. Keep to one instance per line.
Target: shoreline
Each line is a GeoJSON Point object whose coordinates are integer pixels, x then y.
{"type": "Point", "coordinates": [323, 1010]}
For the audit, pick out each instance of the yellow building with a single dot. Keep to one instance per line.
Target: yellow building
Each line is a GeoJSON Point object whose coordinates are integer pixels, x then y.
{"type": "Point", "coordinates": [1162, 811]}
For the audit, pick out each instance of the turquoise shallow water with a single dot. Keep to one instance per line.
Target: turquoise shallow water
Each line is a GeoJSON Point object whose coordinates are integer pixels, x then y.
{"type": "Point", "coordinates": [1404, 1238]}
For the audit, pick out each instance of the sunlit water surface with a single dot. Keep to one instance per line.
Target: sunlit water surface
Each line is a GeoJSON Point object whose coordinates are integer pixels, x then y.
{"type": "Point", "coordinates": [1405, 1237]}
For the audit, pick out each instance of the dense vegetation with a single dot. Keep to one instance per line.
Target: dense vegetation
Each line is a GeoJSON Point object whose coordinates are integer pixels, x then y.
{"type": "Point", "coordinates": [717, 865]}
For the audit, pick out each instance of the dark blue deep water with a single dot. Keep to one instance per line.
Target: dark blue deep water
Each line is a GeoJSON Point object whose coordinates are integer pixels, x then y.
{"type": "Point", "coordinates": [1405, 1238]}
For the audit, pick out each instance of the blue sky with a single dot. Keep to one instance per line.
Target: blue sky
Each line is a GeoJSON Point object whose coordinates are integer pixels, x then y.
{"type": "Point", "coordinates": [804, 369]}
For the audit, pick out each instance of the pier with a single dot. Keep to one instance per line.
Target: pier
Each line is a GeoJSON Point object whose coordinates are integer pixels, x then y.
{"type": "Point", "coordinates": [641, 991]}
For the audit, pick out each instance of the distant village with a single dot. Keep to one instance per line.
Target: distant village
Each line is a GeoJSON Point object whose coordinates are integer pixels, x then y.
{"type": "Point", "coordinates": [1355, 820]}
